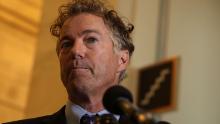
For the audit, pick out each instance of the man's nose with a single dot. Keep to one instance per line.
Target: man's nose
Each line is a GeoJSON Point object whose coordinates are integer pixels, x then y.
{"type": "Point", "coordinates": [79, 49]}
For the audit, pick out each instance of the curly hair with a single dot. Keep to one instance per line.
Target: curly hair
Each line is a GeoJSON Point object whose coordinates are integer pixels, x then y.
{"type": "Point", "coordinates": [120, 29]}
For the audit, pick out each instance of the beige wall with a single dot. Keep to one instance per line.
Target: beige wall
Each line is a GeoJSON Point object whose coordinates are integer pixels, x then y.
{"type": "Point", "coordinates": [46, 93]}
{"type": "Point", "coordinates": [193, 33]}
{"type": "Point", "coordinates": [18, 31]}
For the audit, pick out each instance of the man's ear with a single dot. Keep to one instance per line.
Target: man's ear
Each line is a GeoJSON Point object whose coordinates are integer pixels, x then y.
{"type": "Point", "coordinates": [124, 59]}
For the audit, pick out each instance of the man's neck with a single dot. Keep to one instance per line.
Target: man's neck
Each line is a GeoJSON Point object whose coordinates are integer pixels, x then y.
{"type": "Point", "coordinates": [91, 104]}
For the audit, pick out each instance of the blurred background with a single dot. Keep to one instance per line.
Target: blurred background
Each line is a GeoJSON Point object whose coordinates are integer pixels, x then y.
{"type": "Point", "coordinates": [30, 84]}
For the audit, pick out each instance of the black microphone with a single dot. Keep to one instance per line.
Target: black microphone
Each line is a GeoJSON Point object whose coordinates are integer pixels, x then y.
{"type": "Point", "coordinates": [118, 100]}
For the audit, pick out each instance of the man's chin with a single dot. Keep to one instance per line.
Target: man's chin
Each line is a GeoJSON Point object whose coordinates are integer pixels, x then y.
{"type": "Point", "coordinates": [80, 84]}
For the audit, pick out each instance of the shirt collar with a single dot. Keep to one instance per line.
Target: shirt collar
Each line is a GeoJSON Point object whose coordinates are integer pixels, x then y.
{"type": "Point", "coordinates": [74, 112]}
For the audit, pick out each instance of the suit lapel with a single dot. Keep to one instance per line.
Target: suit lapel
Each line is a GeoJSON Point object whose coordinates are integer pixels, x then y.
{"type": "Point", "coordinates": [57, 118]}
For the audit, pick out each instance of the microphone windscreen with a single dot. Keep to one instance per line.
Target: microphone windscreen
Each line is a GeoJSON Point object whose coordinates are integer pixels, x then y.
{"type": "Point", "coordinates": [112, 95]}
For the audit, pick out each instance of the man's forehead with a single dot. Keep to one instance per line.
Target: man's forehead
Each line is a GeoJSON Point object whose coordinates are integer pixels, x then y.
{"type": "Point", "coordinates": [84, 24]}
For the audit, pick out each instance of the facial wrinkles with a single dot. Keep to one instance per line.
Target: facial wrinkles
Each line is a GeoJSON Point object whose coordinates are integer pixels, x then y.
{"type": "Point", "coordinates": [85, 63]}
{"type": "Point", "coordinates": [74, 64]}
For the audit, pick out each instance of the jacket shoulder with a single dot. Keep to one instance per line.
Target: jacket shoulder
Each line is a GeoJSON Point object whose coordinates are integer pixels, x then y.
{"type": "Point", "coordinates": [56, 118]}
{"type": "Point", "coordinates": [37, 120]}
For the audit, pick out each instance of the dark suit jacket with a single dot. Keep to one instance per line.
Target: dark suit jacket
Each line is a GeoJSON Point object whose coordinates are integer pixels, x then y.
{"type": "Point", "coordinates": [56, 118]}
{"type": "Point", "coordinates": [59, 118]}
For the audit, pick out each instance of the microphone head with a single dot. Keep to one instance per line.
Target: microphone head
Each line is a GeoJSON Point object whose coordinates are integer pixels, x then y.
{"type": "Point", "coordinates": [112, 96]}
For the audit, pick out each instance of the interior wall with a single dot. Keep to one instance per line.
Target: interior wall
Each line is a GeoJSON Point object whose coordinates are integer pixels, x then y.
{"type": "Point", "coordinates": [47, 94]}
{"type": "Point", "coordinates": [18, 31]}
{"type": "Point", "coordinates": [193, 33]}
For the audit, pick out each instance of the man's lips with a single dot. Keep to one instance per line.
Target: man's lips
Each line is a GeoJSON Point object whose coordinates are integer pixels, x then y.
{"type": "Point", "coordinates": [81, 65]}
{"type": "Point", "coordinates": [81, 68]}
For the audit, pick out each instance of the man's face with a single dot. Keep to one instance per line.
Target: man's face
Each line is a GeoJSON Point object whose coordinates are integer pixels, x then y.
{"type": "Point", "coordinates": [89, 64]}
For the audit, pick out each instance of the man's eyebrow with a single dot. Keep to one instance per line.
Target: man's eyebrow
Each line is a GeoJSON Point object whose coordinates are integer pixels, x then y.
{"type": "Point", "coordinates": [87, 31]}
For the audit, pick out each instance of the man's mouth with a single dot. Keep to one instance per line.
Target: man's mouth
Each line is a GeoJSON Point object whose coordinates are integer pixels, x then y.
{"type": "Point", "coordinates": [80, 68]}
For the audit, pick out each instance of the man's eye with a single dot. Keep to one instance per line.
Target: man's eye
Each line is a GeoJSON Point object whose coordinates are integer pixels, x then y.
{"type": "Point", "coordinates": [66, 44]}
{"type": "Point", "coordinates": [91, 40]}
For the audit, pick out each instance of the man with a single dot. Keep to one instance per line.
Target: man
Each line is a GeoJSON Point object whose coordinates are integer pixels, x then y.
{"type": "Point", "coordinates": [94, 48]}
